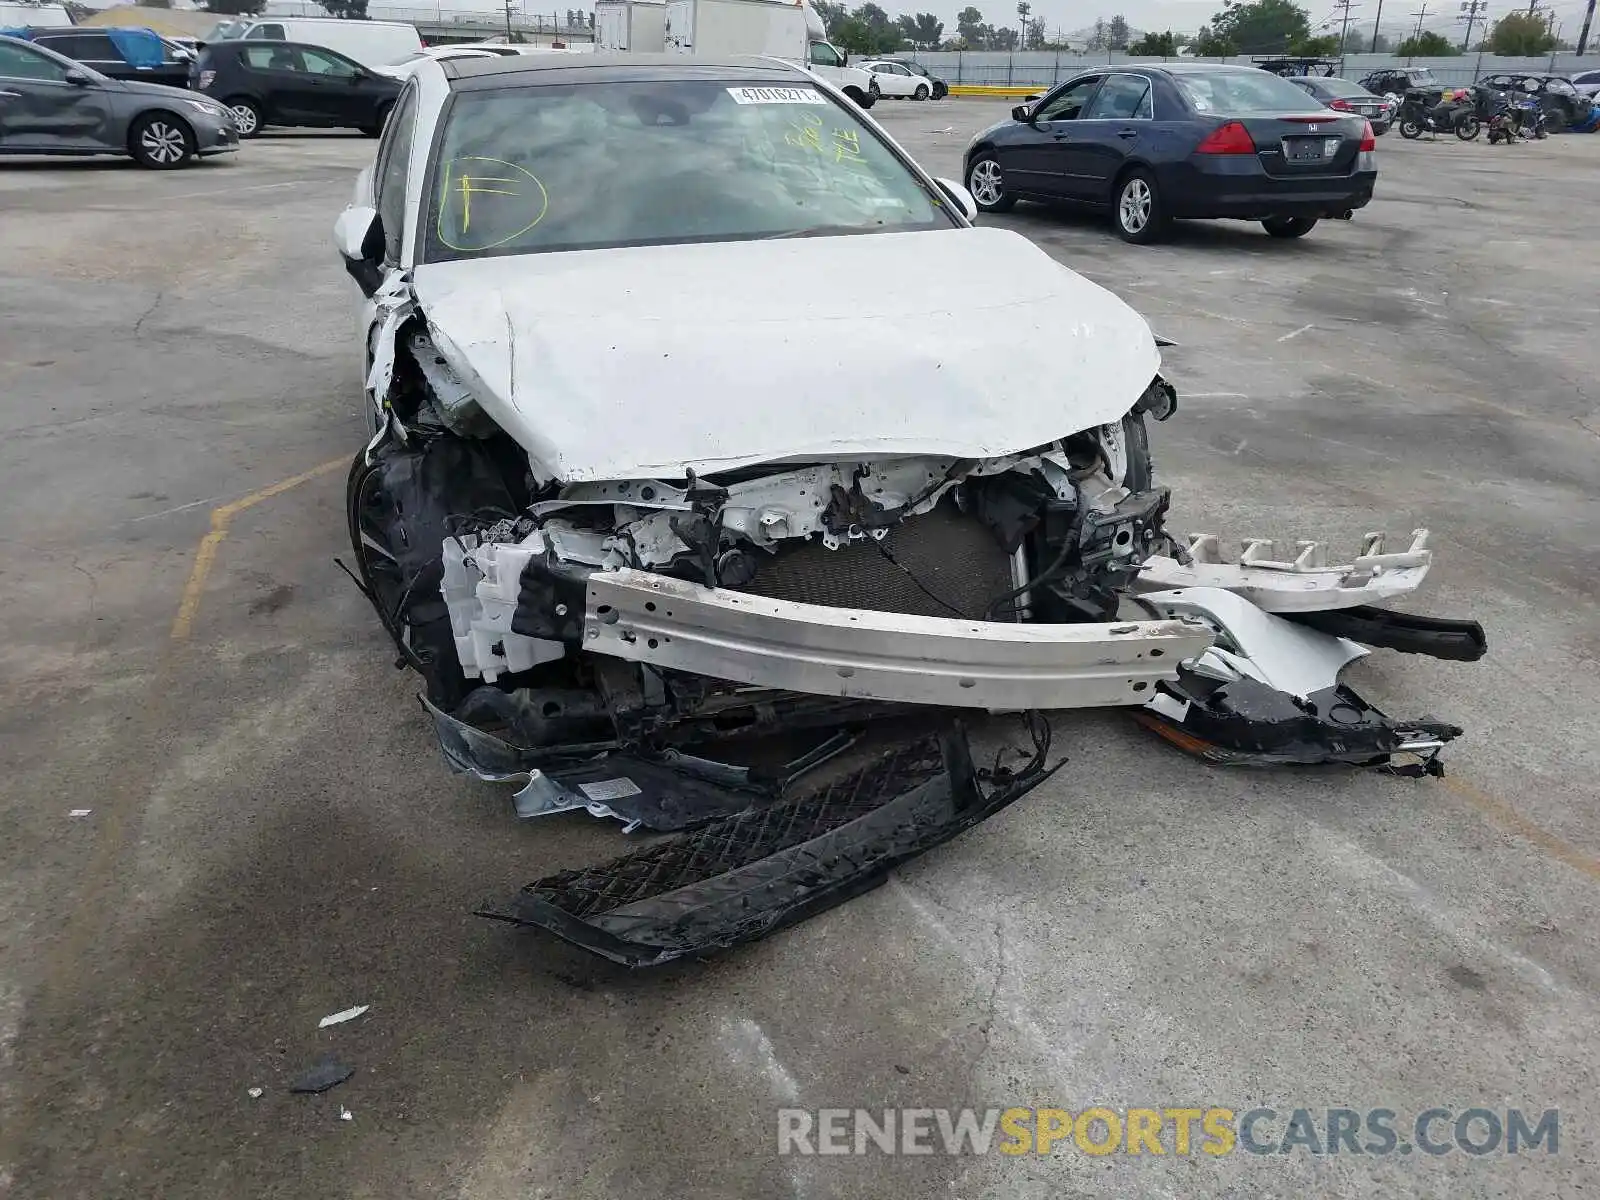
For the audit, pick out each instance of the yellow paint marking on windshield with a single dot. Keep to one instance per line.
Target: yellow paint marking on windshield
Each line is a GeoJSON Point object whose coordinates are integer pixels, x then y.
{"type": "Point", "coordinates": [523, 192]}
{"type": "Point", "coordinates": [470, 188]}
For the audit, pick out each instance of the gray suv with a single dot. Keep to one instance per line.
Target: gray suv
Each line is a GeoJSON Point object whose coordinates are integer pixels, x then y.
{"type": "Point", "coordinates": [52, 105]}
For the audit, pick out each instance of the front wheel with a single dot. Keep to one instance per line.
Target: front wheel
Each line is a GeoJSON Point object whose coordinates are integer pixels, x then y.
{"type": "Point", "coordinates": [246, 115]}
{"type": "Point", "coordinates": [987, 184]}
{"type": "Point", "coordinates": [1125, 447]}
{"type": "Point", "coordinates": [1137, 210]}
{"type": "Point", "coordinates": [1409, 129]}
{"type": "Point", "coordinates": [1289, 227]}
{"type": "Point", "coordinates": [1468, 128]}
{"type": "Point", "coordinates": [376, 127]}
{"type": "Point", "coordinates": [161, 141]}
{"type": "Point", "coordinates": [922, 92]}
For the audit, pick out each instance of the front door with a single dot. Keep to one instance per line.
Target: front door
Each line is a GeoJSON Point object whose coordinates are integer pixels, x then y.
{"type": "Point", "coordinates": [338, 87]}
{"type": "Point", "coordinates": [1037, 161]}
{"type": "Point", "coordinates": [40, 110]}
{"type": "Point", "coordinates": [1109, 130]}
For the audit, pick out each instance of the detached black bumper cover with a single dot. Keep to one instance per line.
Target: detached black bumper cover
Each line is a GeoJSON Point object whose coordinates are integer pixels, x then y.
{"type": "Point", "coordinates": [747, 875]}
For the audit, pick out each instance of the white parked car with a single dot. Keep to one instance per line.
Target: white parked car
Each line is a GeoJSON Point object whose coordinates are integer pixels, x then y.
{"type": "Point", "coordinates": [679, 439]}
{"type": "Point", "coordinates": [1587, 83]}
{"type": "Point", "coordinates": [896, 81]}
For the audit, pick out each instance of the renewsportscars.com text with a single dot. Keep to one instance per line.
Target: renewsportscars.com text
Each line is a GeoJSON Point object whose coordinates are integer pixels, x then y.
{"type": "Point", "coordinates": [1213, 1131]}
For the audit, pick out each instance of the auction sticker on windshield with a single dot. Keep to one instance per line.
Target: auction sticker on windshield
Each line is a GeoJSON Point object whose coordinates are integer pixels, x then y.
{"type": "Point", "coordinates": [776, 95]}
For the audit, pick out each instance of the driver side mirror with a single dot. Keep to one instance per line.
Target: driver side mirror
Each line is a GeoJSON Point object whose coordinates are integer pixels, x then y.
{"type": "Point", "coordinates": [1022, 112]}
{"type": "Point", "coordinates": [358, 236]}
{"type": "Point", "coordinates": [78, 78]}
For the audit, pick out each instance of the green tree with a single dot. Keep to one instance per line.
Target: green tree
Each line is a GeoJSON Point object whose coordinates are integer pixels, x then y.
{"type": "Point", "coordinates": [1035, 39]}
{"type": "Point", "coordinates": [355, 10]}
{"type": "Point", "coordinates": [1359, 41]}
{"type": "Point", "coordinates": [1521, 35]}
{"type": "Point", "coordinates": [929, 30]}
{"type": "Point", "coordinates": [1325, 46]}
{"type": "Point", "coordinates": [236, 8]}
{"type": "Point", "coordinates": [1262, 26]}
{"type": "Point", "coordinates": [1117, 34]}
{"type": "Point", "coordinates": [1152, 45]}
{"type": "Point", "coordinates": [832, 13]}
{"type": "Point", "coordinates": [968, 21]}
{"type": "Point", "coordinates": [1427, 44]}
{"type": "Point", "coordinates": [1097, 35]}
{"type": "Point", "coordinates": [1209, 43]}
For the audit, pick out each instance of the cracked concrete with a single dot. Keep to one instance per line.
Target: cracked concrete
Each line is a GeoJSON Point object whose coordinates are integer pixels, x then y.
{"type": "Point", "coordinates": [274, 839]}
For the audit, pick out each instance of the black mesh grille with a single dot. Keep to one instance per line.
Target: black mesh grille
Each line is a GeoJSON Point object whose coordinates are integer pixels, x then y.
{"type": "Point", "coordinates": [953, 555]}
{"type": "Point", "coordinates": [738, 840]}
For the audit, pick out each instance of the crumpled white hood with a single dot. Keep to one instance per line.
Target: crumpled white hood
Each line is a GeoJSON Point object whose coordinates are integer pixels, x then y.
{"type": "Point", "coordinates": [633, 363]}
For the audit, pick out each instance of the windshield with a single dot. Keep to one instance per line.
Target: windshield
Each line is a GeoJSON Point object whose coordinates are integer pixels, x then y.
{"type": "Point", "coordinates": [1420, 76]}
{"type": "Point", "coordinates": [1334, 86]}
{"type": "Point", "coordinates": [1243, 91]}
{"type": "Point", "coordinates": [533, 169]}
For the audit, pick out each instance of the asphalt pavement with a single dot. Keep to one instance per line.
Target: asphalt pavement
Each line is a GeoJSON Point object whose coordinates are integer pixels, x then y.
{"type": "Point", "coordinates": [271, 837]}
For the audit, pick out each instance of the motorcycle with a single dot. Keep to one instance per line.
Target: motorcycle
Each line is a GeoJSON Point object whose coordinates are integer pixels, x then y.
{"type": "Point", "coordinates": [1447, 111]}
{"type": "Point", "coordinates": [1501, 124]}
{"type": "Point", "coordinates": [1530, 118]}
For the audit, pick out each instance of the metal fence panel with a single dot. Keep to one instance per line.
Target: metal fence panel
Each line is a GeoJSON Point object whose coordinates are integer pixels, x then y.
{"type": "Point", "coordinates": [1045, 68]}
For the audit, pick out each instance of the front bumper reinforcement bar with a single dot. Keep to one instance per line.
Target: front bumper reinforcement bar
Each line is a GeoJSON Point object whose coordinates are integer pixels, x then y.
{"type": "Point", "coordinates": [858, 653]}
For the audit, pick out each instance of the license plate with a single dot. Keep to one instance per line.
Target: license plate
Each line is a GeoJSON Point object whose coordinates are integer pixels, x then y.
{"type": "Point", "coordinates": [1310, 149]}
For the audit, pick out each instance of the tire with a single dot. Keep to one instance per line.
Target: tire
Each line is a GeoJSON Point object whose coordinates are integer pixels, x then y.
{"type": "Point", "coordinates": [1126, 446]}
{"type": "Point", "coordinates": [1409, 129]}
{"type": "Point", "coordinates": [247, 116]}
{"type": "Point", "coordinates": [1468, 128]}
{"type": "Point", "coordinates": [921, 93]}
{"type": "Point", "coordinates": [985, 179]}
{"type": "Point", "coordinates": [161, 141]}
{"type": "Point", "coordinates": [376, 128]}
{"type": "Point", "coordinates": [860, 101]}
{"type": "Point", "coordinates": [1136, 208]}
{"type": "Point", "coordinates": [1289, 227]}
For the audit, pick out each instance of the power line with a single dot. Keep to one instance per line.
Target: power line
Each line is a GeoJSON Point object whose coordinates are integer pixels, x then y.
{"type": "Point", "coordinates": [1422, 14]}
{"type": "Point", "coordinates": [1471, 12]}
{"type": "Point", "coordinates": [1344, 7]}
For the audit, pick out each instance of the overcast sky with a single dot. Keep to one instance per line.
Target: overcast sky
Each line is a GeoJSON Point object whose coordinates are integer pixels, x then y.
{"type": "Point", "coordinates": [1068, 16]}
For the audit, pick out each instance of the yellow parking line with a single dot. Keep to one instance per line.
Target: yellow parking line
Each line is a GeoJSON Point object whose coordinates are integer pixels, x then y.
{"type": "Point", "coordinates": [1506, 817]}
{"type": "Point", "coordinates": [206, 555]}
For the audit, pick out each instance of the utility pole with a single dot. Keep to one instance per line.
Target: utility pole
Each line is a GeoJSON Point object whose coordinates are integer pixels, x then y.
{"type": "Point", "coordinates": [1583, 34]}
{"type": "Point", "coordinates": [1471, 12]}
{"type": "Point", "coordinates": [1345, 7]}
{"type": "Point", "coordinates": [1375, 23]}
{"type": "Point", "coordinates": [1419, 16]}
{"type": "Point", "coordinates": [510, 4]}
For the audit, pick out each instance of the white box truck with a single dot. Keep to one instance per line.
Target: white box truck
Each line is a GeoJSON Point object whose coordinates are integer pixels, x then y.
{"type": "Point", "coordinates": [788, 29]}
{"type": "Point", "coordinates": [639, 26]}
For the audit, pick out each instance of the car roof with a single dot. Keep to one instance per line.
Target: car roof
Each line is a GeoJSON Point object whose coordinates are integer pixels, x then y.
{"type": "Point", "coordinates": [466, 73]}
{"type": "Point", "coordinates": [1176, 68]}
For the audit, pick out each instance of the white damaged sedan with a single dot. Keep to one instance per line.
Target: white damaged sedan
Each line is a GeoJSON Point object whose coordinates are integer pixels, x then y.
{"type": "Point", "coordinates": [683, 441]}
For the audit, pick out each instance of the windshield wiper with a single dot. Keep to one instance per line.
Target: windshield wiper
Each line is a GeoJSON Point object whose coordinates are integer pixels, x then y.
{"type": "Point", "coordinates": [822, 231]}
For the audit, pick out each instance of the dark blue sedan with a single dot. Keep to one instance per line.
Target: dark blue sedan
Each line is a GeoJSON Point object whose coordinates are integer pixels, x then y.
{"type": "Point", "coordinates": [1153, 144]}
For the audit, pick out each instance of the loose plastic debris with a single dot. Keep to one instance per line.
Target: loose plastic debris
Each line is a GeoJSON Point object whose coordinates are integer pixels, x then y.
{"type": "Point", "coordinates": [339, 1018]}
{"type": "Point", "coordinates": [345, 1114]}
{"type": "Point", "coordinates": [255, 1093]}
{"type": "Point", "coordinates": [328, 1072]}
